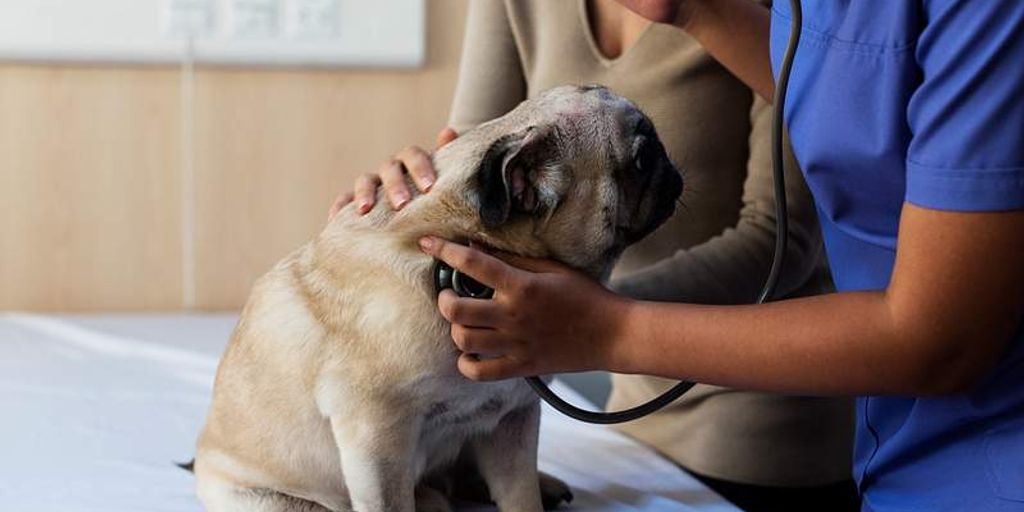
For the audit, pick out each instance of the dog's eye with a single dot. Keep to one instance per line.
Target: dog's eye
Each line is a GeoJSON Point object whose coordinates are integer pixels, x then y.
{"type": "Point", "coordinates": [641, 154]}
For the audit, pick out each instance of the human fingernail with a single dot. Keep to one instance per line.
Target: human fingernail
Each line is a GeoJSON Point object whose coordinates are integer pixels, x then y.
{"type": "Point", "coordinates": [364, 207]}
{"type": "Point", "coordinates": [427, 183]}
{"type": "Point", "coordinates": [427, 244]}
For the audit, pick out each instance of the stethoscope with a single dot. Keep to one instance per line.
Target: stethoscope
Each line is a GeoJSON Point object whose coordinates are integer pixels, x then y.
{"type": "Point", "coordinates": [445, 277]}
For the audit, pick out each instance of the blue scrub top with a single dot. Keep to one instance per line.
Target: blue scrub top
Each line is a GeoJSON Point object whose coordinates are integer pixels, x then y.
{"type": "Point", "coordinates": [919, 101]}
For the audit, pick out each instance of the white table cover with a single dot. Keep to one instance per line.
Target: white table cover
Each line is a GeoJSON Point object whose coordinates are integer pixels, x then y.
{"type": "Point", "coordinates": [94, 410]}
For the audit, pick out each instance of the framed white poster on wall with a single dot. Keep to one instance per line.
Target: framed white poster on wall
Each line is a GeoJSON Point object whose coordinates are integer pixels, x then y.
{"type": "Point", "coordinates": [378, 33]}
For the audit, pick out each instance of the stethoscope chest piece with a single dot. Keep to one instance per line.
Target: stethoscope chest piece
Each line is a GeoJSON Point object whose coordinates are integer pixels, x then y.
{"type": "Point", "coordinates": [448, 278]}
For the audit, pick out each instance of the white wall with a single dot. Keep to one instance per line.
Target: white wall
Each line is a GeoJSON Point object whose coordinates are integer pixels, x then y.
{"type": "Point", "coordinates": [249, 32]}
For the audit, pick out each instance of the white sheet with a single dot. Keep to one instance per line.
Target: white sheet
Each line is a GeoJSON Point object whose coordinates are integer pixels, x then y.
{"type": "Point", "coordinates": [94, 410]}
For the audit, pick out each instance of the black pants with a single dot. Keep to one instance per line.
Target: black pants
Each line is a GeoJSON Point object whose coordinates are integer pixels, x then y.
{"type": "Point", "coordinates": [837, 497]}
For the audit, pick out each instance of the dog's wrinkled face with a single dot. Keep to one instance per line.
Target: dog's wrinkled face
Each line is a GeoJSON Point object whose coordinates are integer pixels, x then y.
{"type": "Point", "coordinates": [582, 169]}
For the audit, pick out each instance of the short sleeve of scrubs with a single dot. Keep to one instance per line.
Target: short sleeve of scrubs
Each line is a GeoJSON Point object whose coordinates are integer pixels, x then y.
{"type": "Point", "coordinates": [967, 116]}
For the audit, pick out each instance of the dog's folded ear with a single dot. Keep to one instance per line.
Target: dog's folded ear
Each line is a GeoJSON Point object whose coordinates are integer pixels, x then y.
{"type": "Point", "coordinates": [511, 174]}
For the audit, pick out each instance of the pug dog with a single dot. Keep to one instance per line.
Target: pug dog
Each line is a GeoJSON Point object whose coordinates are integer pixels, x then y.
{"type": "Point", "coordinates": [339, 389]}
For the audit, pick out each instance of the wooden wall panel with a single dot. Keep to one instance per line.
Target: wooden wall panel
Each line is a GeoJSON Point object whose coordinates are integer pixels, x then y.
{"type": "Point", "coordinates": [89, 189]}
{"type": "Point", "coordinates": [273, 149]}
{"type": "Point", "coordinates": [90, 170]}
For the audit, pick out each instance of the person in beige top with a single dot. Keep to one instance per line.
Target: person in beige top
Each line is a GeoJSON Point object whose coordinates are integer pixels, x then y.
{"type": "Point", "coordinates": [760, 450]}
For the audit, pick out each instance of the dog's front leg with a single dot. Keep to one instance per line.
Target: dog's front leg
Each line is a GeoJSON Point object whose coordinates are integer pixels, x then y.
{"type": "Point", "coordinates": [377, 459]}
{"type": "Point", "coordinates": [507, 458]}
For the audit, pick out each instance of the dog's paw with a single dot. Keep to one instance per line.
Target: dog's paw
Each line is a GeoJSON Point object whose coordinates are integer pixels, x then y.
{"type": "Point", "coordinates": [554, 492]}
{"type": "Point", "coordinates": [470, 487]}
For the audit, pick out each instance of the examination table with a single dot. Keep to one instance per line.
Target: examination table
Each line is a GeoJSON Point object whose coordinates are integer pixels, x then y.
{"type": "Point", "coordinates": [95, 410]}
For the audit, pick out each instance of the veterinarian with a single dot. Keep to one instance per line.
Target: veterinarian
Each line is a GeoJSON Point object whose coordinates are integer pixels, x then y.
{"type": "Point", "coordinates": [762, 451]}
{"type": "Point", "coordinates": [907, 118]}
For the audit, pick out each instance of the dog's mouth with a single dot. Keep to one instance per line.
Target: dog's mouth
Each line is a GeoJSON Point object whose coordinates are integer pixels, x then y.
{"type": "Point", "coordinates": [667, 194]}
{"type": "Point", "coordinates": [657, 205]}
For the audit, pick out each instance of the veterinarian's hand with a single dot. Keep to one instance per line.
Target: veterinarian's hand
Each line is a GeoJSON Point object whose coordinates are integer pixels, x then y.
{"type": "Point", "coordinates": [544, 318]}
{"type": "Point", "coordinates": [412, 160]}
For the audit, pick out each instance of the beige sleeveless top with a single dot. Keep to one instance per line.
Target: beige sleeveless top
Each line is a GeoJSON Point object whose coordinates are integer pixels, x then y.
{"type": "Point", "coordinates": [715, 250]}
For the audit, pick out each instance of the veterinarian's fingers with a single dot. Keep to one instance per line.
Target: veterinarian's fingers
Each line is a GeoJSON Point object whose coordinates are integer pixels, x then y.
{"type": "Point", "coordinates": [446, 135]}
{"type": "Point", "coordinates": [392, 175]}
{"type": "Point", "coordinates": [366, 192]}
{"type": "Point", "coordinates": [536, 265]}
{"type": "Point", "coordinates": [486, 269]}
{"type": "Point", "coordinates": [465, 311]}
{"type": "Point", "coordinates": [420, 167]}
{"type": "Point", "coordinates": [486, 369]}
{"type": "Point", "coordinates": [482, 342]}
{"type": "Point", "coordinates": [339, 203]}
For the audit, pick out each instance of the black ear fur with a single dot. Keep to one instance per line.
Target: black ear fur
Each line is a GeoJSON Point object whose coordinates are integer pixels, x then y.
{"type": "Point", "coordinates": [508, 174]}
{"type": "Point", "coordinates": [495, 192]}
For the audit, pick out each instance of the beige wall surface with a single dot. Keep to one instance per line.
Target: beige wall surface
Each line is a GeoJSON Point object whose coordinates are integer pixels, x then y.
{"type": "Point", "coordinates": [94, 201]}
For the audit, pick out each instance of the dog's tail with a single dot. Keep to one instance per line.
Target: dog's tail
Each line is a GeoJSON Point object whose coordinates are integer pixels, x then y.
{"type": "Point", "coordinates": [189, 466]}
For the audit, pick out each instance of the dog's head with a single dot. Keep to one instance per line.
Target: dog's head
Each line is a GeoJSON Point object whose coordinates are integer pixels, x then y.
{"type": "Point", "coordinates": [576, 174]}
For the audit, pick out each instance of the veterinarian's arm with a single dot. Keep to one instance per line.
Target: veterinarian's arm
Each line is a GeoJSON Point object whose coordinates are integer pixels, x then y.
{"type": "Point", "coordinates": [491, 81]}
{"type": "Point", "coordinates": [734, 32]}
{"type": "Point", "coordinates": [731, 267]}
{"type": "Point", "coordinates": [954, 302]}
